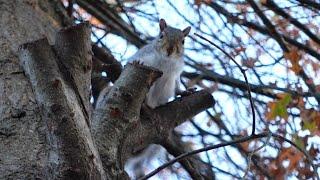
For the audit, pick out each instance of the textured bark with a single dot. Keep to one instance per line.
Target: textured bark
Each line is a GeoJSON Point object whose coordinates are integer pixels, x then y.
{"type": "Point", "coordinates": [121, 131]}
{"type": "Point", "coordinates": [111, 66]}
{"type": "Point", "coordinates": [117, 114]}
{"type": "Point", "coordinates": [23, 143]}
{"type": "Point", "coordinates": [71, 150]}
{"type": "Point", "coordinates": [73, 49]}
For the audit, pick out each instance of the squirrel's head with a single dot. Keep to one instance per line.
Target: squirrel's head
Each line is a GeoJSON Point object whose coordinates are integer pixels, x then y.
{"type": "Point", "coordinates": [171, 40]}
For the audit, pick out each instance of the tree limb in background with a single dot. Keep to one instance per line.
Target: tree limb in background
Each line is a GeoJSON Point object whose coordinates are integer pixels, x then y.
{"type": "Point", "coordinates": [110, 18]}
{"type": "Point", "coordinates": [193, 165]}
{"type": "Point", "coordinates": [243, 139]}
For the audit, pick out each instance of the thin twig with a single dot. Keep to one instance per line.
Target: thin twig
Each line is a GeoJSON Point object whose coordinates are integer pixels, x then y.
{"type": "Point", "coordinates": [245, 78]}
{"type": "Point", "coordinates": [253, 152]}
{"type": "Point", "coordinates": [211, 147]}
{"type": "Point", "coordinates": [237, 141]}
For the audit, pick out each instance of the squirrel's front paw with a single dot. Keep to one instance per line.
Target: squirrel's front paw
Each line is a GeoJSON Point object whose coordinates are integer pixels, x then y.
{"type": "Point", "coordinates": [188, 92]}
{"type": "Point", "coordinates": [137, 62]}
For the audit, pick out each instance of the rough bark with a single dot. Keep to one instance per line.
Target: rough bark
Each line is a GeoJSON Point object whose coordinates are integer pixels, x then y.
{"type": "Point", "coordinates": [71, 152]}
{"type": "Point", "coordinates": [118, 113]}
{"type": "Point", "coordinates": [23, 144]}
{"type": "Point", "coordinates": [73, 49]}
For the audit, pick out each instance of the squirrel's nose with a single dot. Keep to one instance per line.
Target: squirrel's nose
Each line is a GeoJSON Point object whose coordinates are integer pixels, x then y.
{"type": "Point", "coordinates": [170, 50]}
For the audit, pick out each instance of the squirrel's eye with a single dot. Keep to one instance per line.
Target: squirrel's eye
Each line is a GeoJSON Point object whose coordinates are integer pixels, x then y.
{"type": "Point", "coordinates": [182, 41]}
{"type": "Point", "coordinates": [161, 36]}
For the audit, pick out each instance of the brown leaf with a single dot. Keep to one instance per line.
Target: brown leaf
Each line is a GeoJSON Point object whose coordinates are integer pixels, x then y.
{"type": "Point", "coordinates": [249, 63]}
{"type": "Point", "coordinates": [294, 156]}
{"type": "Point", "coordinates": [310, 120]}
{"type": "Point", "coordinates": [277, 170]}
{"type": "Point", "coordinates": [313, 152]}
{"type": "Point", "coordinates": [263, 1]}
{"type": "Point", "coordinates": [294, 57]}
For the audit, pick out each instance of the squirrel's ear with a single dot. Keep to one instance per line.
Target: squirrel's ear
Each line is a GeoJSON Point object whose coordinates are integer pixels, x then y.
{"type": "Point", "coordinates": [186, 31]}
{"type": "Point", "coordinates": [162, 24]}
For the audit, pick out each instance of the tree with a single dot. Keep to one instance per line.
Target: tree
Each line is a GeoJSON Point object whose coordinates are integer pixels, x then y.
{"type": "Point", "coordinates": [50, 130]}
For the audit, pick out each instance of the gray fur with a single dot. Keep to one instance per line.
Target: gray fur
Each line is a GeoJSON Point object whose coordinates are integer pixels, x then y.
{"type": "Point", "coordinates": [155, 54]}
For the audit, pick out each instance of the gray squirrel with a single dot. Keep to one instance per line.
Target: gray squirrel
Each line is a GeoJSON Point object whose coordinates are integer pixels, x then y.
{"type": "Point", "coordinates": [165, 53]}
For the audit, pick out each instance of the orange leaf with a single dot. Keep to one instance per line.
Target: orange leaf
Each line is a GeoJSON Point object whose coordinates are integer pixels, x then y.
{"type": "Point", "coordinates": [294, 156]}
{"type": "Point", "coordinates": [277, 170]}
{"type": "Point", "coordinates": [313, 152]}
{"type": "Point", "coordinates": [95, 21]}
{"type": "Point", "coordinates": [294, 56]}
{"type": "Point", "coordinates": [315, 66]}
{"type": "Point", "coordinates": [263, 1]}
{"type": "Point", "coordinates": [199, 2]}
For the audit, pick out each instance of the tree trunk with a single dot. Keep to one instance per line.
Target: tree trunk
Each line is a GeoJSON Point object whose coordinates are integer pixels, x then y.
{"type": "Point", "coordinates": [44, 115]}
{"type": "Point", "coordinates": [23, 142]}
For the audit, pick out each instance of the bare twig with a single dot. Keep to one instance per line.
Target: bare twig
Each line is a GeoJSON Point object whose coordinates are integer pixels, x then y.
{"type": "Point", "coordinates": [273, 6]}
{"type": "Point", "coordinates": [237, 141]}
{"type": "Point", "coordinates": [271, 28]}
{"type": "Point", "coordinates": [245, 78]}
{"type": "Point", "coordinates": [253, 152]}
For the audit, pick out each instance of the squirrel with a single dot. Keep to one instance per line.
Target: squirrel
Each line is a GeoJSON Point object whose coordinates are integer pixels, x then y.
{"type": "Point", "coordinates": [165, 53]}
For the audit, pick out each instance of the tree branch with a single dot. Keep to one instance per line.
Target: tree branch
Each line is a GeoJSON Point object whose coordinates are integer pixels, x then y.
{"type": "Point", "coordinates": [156, 124]}
{"type": "Point", "coordinates": [176, 112]}
{"type": "Point", "coordinates": [230, 81]}
{"type": "Point", "coordinates": [272, 30]}
{"type": "Point", "coordinates": [261, 29]}
{"type": "Point", "coordinates": [237, 141]}
{"type": "Point", "coordinates": [73, 48]}
{"type": "Point", "coordinates": [117, 115]}
{"type": "Point", "coordinates": [112, 67]}
{"type": "Point", "coordinates": [245, 78]}
{"type": "Point", "coordinates": [273, 6]}
{"type": "Point", "coordinates": [310, 3]}
{"type": "Point", "coordinates": [109, 17]}
{"type": "Point", "coordinates": [68, 135]}
{"type": "Point", "coordinates": [193, 165]}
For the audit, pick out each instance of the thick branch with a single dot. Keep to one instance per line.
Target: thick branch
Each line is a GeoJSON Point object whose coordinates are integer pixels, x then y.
{"type": "Point", "coordinates": [73, 49]}
{"type": "Point", "coordinates": [156, 125]}
{"type": "Point", "coordinates": [71, 150]}
{"type": "Point", "coordinates": [112, 67]}
{"type": "Point", "coordinates": [180, 110]}
{"type": "Point", "coordinates": [117, 115]}
{"type": "Point", "coordinates": [103, 61]}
